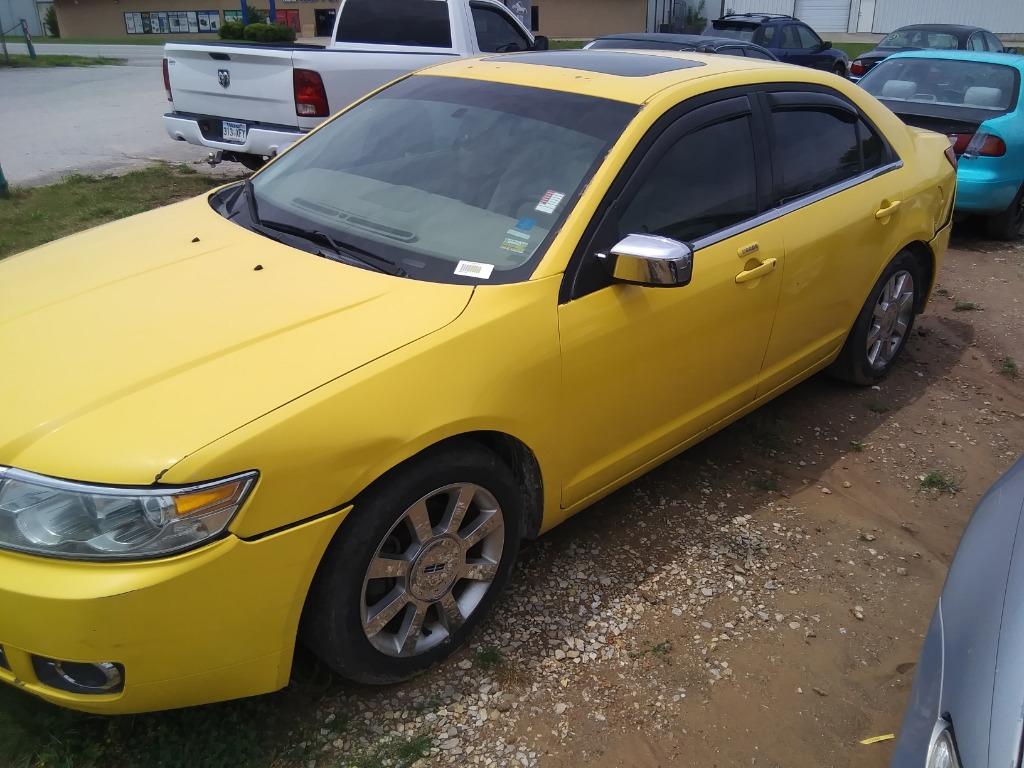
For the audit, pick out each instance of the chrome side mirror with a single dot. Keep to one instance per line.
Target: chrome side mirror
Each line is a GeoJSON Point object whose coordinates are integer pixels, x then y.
{"type": "Point", "coordinates": [650, 260]}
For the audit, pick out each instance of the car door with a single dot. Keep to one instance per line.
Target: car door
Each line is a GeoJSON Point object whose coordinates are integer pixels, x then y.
{"type": "Point", "coordinates": [787, 45]}
{"type": "Point", "coordinates": [811, 53]}
{"type": "Point", "coordinates": [496, 32]}
{"type": "Point", "coordinates": [647, 369]}
{"type": "Point", "coordinates": [838, 187]}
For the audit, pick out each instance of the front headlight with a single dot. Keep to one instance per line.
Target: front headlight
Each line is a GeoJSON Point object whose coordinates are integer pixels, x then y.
{"type": "Point", "coordinates": [942, 753]}
{"type": "Point", "coordinates": [46, 516]}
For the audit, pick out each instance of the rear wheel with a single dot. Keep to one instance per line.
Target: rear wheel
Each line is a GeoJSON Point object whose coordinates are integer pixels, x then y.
{"type": "Point", "coordinates": [839, 69]}
{"type": "Point", "coordinates": [884, 323]}
{"type": "Point", "coordinates": [416, 566]}
{"type": "Point", "coordinates": [1008, 225]}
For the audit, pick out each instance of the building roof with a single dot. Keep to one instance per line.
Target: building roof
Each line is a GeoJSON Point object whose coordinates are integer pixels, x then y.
{"type": "Point", "coordinates": [611, 74]}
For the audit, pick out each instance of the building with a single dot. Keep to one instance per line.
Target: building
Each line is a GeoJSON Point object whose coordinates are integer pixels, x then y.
{"type": "Point", "coordinates": [201, 19]}
{"type": "Point", "coordinates": [32, 11]}
{"type": "Point", "coordinates": [1000, 16]}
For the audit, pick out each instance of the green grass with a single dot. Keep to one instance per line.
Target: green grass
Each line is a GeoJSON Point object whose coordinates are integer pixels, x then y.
{"type": "Point", "coordinates": [126, 40]}
{"type": "Point", "coordinates": [765, 482]}
{"type": "Point", "coordinates": [939, 480]}
{"type": "Point", "coordinates": [24, 61]}
{"type": "Point", "coordinates": [35, 215]}
{"type": "Point", "coordinates": [395, 753]}
{"type": "Point", "coordinates": [1009, 368]}
{"type": "Point", "coordinates": [966, 306]}
{"type": "Point", "coordinates": [489, 659]}
{"type": "Point", "coordinates": [252, 733]}
{"type": "Point", "coordinates": [853, 50]}
{"type": "Point", "coordinates": [878, 407]}
{"type": "Point", "coordinates": [857, 446]}
{"type": "Point", "coordinates": [564, 45]}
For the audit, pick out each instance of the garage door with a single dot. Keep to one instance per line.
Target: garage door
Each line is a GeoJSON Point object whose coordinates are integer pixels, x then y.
{"type": "Point", "coordinates": [824, 15]}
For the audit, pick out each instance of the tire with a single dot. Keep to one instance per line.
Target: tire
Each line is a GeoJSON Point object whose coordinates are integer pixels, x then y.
{"type": "Point", "coordinates": [839, 69]}
{"type": "Point", "coordinates": [348, 618]}
{"type": "Point", "coordinates": [886, 323]}
{"type": "Point", "coordinates": [1008, 225]}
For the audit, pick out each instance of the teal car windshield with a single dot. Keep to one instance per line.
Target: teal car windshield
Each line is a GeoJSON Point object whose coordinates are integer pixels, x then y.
{"type": "Point", "coordinates": [951, 83]}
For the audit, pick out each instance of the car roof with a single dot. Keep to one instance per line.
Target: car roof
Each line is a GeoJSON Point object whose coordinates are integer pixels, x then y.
{"type": "Point", "coordinates": [678, 39]}
{"type": "Point", "coordinates": [760, 18]}
{"type": "Point", "coordinates": [985, 57]}
{"type": "Point", "coordinates": [605, 73]}
{"type": "Point", "coordinates": [959, 28]}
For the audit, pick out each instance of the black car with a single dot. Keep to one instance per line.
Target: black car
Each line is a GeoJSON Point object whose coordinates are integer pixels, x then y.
{"type": "Point", "coordinates": [788, 38]}
{"type": "Point", "coordinates": [919, 37]}
{"type": "Point", "coordinates": [670, 42]}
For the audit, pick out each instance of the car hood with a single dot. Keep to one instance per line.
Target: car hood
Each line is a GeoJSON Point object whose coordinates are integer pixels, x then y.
{"type": "Point", "coordinates": [131, 345]}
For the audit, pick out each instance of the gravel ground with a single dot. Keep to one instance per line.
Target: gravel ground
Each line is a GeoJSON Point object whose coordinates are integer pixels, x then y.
{"type": "Point", "coordinates": [758, 601]}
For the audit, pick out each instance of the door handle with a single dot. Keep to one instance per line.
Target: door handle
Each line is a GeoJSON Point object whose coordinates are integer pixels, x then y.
{"type": "Point", "coordinates": [766, 266]}
{"type": "Point", "coordinates": [888, 210]}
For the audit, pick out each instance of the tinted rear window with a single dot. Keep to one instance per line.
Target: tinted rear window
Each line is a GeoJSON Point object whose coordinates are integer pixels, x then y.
{"type": "Point", "coordinates": [635, 45]}
{"type": "Point", "coordinates": [946, 83]}
{"type": "Point", "coordinates": [422, 23]}
{"type": "Point", "coordinates": [736, 30]}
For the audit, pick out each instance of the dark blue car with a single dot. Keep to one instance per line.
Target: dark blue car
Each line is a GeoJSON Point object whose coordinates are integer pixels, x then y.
{"type": "Point", "coordinates": [788, 38]}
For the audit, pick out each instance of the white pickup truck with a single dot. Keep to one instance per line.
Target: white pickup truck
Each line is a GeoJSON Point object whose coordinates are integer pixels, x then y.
{"type": "Point", "coordinates": [250, 101]}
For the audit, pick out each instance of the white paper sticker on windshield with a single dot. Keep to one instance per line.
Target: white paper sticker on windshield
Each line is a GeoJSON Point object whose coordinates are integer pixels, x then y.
{"type": "Point", "coordinates": [550, 201]}
{"type": "Point", "coordinates": [474, 269]}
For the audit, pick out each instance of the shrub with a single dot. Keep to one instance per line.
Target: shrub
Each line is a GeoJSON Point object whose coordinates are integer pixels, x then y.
{"type": "Point", "coordinates": [50, 19]}
{"type": "Point", "coordinates": [269, 33]}
{"type": "Point", "coordinates": [231, 30]}
{"type": "Point", "coordinates": [256, 16]}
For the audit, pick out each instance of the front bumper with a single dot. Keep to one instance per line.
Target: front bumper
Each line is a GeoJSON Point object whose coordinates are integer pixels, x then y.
{"type": "Point", "coordinates": [259, 140]}
{"type": "Point", "coordinates": [213, 624]}
{"type": "Point", "coordinates": [981, 191]}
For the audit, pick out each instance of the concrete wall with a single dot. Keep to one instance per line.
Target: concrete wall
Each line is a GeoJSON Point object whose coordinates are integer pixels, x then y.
{"type": "Point", "coordinates": [105, 18]}
{"type": "Point", "coordinates": [590, 18]}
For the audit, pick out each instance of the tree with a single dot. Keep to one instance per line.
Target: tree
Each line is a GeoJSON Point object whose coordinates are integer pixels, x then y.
{"type": "Point", "coordinates": [50, 19]}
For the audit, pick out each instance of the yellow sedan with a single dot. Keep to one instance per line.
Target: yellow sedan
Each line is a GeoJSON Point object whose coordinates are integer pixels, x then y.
{"type": "Point", "coordinates": [327, 404]}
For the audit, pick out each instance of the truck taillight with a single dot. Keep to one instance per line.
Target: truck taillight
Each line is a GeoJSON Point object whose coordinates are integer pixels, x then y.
{"type": "Point", "coordinates": [310, 96]}
{"type": "Point", "coordinates": [167, 81]}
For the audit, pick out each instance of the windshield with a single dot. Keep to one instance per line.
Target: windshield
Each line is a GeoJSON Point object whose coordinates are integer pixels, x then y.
{"type": "Point", "coordinates": [454, 180]}
{"type": "Point", "coordinates": [919, 38]}
{"type": "Point", "coordinates": [945, 82]}
{"type": "Point", "coordinates": [734, 30]}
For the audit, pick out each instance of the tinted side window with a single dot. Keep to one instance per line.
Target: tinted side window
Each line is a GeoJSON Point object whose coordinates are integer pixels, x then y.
{"type": "Point", "coordinates": [496, 33]}
{"type": "Point", "coordinates": [396, 22]}
{"type": "Point", "coordinates": [790, 38]}
{"type": "Point", "coordinates": [704, 183]}
{"type": "Point", "coordinates": [976, 43]}
{"type": "Point", "coordinates": [768, 37]}
{"type": "Point", "coordinates": [993, 42]}
{"type": "Point", "coordinates": [873, 150]}
{"type": "Point", "coordinates": [753, 53]}
{"type": "Point", "coordinates": [808, 39]}
{"type": "Point", "coordinates": [815, 149]}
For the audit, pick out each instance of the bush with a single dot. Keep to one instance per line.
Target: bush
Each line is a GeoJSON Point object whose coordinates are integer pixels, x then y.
{"type": "Point", "coordinates": [231, 30]}
{"type": "Point", "coordinates": [50, 19]}
{"type": "Point", "coordinates": [269, 33]}
{"type": "Point", "coordinates": [256, 16]}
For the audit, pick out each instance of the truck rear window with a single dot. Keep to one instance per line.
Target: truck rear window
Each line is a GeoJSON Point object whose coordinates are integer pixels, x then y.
{"type": "Point", "coordinates": [421, 23]}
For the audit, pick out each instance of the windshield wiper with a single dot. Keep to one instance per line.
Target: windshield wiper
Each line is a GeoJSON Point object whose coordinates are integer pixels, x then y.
{"type": "Point", "coordinates": [250, 197]}
{"type": "Point", "coordinates": [340, 251]}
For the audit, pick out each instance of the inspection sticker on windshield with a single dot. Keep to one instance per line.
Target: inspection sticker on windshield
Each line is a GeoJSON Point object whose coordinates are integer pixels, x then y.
{"type": "Point", "coordinates": [514, 245]}
{"type": "Point", "coordinates": [474, 269]}
{"type": "Point", "coordinates": [550, 201]}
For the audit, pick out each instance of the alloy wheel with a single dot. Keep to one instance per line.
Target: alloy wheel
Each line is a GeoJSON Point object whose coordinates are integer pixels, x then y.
{"type": "Point", "coordinates": [891, 319]}
{"type": "Point", "coordinates": [432, 569]}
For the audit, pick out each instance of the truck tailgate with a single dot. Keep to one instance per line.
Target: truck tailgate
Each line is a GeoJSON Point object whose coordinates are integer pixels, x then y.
{"type": "Point", "coordinates": [252, 83]}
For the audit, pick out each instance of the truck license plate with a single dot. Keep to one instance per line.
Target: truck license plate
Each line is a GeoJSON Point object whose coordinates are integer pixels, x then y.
{"type": "Point", "coordinates": [233, 131]}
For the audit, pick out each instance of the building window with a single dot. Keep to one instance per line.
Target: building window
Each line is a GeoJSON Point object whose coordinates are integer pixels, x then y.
{"type": "Point", "coordinates": [171, 22]}
{"type": "Point", "coordinates": [232, 16]}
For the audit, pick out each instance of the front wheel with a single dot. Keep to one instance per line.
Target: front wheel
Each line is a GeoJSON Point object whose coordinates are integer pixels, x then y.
{"type": "Point", "coordinates": [417, 565]}
{"type": "Point", "coordinates": [1008, 225]}
{"type": "Point", "coordinates": [884, 323]}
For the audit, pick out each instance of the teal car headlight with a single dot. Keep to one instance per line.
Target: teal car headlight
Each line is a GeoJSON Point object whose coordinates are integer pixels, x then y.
{"type": "Point", "coordinates": [59, 518]}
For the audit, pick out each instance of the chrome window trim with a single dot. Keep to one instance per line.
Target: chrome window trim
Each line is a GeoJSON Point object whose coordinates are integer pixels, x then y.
{"type": "Point", "coordinates": [794, 205]}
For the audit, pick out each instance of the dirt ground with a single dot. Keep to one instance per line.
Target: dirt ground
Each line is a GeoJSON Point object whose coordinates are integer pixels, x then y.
{"type": "Point", "coordinates": [759, 601]}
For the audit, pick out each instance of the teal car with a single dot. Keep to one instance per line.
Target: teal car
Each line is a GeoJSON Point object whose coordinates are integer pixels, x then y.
{"type": "Point", "coordinates": [975, 99]}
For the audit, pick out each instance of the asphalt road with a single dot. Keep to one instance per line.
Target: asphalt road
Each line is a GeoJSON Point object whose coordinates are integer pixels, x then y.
{"type": "Point", "coordinates": [58, 121]}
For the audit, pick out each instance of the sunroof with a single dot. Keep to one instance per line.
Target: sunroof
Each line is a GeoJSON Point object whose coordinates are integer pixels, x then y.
{"type": "Point", "coordinates": [605, 62]}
